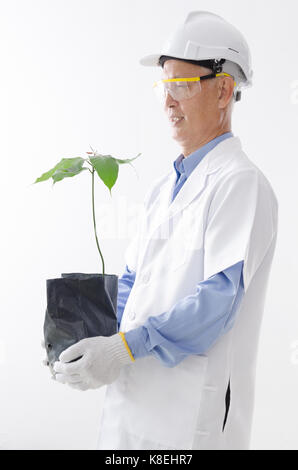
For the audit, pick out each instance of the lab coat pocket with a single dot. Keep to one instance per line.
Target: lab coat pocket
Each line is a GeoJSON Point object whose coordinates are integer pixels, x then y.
{"type": "Point", "coordinates": [176, 256]}
{"type": "Point", "coordinates": [186, 239]}
{"type": "Point", "coordinates": [164, 402]}
{"type": "Point", "coordinates": [170, 253]}
{"type": "Point", "coordinates": [176, 250]}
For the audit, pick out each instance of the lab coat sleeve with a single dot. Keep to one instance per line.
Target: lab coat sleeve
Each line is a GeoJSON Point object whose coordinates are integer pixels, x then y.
{"type": "Point", "coordinates": [242, 221]}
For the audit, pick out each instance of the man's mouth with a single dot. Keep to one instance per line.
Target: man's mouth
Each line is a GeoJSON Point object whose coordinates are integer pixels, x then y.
{"type": "Point", "coordinates": [175, 120]}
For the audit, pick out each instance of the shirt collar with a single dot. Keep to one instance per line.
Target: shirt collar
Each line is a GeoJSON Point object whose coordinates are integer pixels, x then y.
{"type": "Point", "coordinates": [187, 165]}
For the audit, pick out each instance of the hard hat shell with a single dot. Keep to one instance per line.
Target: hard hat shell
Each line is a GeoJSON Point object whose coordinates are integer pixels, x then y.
{"type": "Point", "coordinates": [204, 36]}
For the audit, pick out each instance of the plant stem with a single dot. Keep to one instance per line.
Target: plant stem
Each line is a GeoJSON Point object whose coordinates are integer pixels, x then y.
{"type": "Point", "coordinates": [94, 223]}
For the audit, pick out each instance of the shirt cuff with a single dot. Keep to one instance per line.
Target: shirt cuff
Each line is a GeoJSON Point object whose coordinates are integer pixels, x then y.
{"type": "Point", "coordinates": [136, 340]}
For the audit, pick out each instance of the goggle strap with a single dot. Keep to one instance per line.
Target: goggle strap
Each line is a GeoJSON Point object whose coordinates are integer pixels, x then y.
{"type": "Point", "coordinates": [205, 77]}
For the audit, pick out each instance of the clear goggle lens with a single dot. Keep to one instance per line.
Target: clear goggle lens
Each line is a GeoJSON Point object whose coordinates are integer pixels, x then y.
{"type": "Point", "coordinates": [178, 90]}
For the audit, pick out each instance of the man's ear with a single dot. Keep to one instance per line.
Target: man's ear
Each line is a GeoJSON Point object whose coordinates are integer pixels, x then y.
{"type": "Point", "coordinates": [225, 91]}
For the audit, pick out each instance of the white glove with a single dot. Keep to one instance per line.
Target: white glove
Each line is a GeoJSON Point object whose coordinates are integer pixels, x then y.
{"type": "Point", "coordinates": [102, 359]}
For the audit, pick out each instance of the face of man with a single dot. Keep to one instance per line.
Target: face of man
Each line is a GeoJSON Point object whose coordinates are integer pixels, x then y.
{"type": "Point", "coordinates": [202, 116]}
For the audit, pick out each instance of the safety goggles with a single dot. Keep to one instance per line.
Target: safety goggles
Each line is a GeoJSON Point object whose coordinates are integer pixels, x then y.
{"type": "Point", "coordinates": [182, 88]}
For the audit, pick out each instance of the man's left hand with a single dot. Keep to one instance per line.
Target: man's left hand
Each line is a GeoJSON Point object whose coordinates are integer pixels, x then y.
{"type": "Point", "coordinates": [101, 359]}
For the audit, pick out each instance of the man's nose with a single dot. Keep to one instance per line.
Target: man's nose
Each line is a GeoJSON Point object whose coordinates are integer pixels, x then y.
{"type": "Point", "coordinates": [169, 100]}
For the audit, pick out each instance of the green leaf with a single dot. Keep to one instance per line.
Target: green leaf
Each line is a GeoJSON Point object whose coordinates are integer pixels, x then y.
{"type": "Point", "coordinates": [67, 167]}
{"type": "Point", "coordinates": [61, 174]}
{"type": "Point", "coordinates": [47, 175]}
{"type": "Point", "coordinates": [127, 160]}
{"type": "Point", "coordinates": [107, 168]}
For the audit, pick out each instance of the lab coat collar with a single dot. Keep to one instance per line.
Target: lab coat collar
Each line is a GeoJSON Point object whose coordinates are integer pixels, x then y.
{"type": "Point", "coordinates": [187, 165]}
{"type": "Point", "coordinates": [195, 184]}
{"type": "Point", "coordinates": [218, 157]}
{"type": "Point", "coordinates": [211, 163]}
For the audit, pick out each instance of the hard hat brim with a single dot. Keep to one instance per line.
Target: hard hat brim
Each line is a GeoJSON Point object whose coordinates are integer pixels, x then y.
{"type": "Point", "coordinates": [150, 60]}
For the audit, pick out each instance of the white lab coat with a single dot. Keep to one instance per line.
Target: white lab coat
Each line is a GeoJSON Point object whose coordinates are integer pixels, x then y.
{"type": "Point", "coordinates": [226, 212]}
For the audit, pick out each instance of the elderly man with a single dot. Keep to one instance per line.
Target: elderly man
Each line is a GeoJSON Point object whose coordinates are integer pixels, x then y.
{"type": "Point", "coordinates": [181, 370]}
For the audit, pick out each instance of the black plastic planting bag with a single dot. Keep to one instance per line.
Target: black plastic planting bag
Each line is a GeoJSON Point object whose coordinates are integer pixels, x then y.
{"type": "Point", "coordinates": [79, 306]}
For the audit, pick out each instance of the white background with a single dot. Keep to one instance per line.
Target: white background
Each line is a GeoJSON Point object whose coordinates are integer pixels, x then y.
{"type": "Point", "coordinates": [70, 78]}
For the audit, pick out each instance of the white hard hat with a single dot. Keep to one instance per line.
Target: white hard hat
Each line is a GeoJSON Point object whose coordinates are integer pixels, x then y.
{"type": "Point", "coordinates": [206, 36]}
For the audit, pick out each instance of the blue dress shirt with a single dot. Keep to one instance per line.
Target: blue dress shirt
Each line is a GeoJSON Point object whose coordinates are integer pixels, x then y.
{"type": "Point", "coordinates": [196, 322]}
